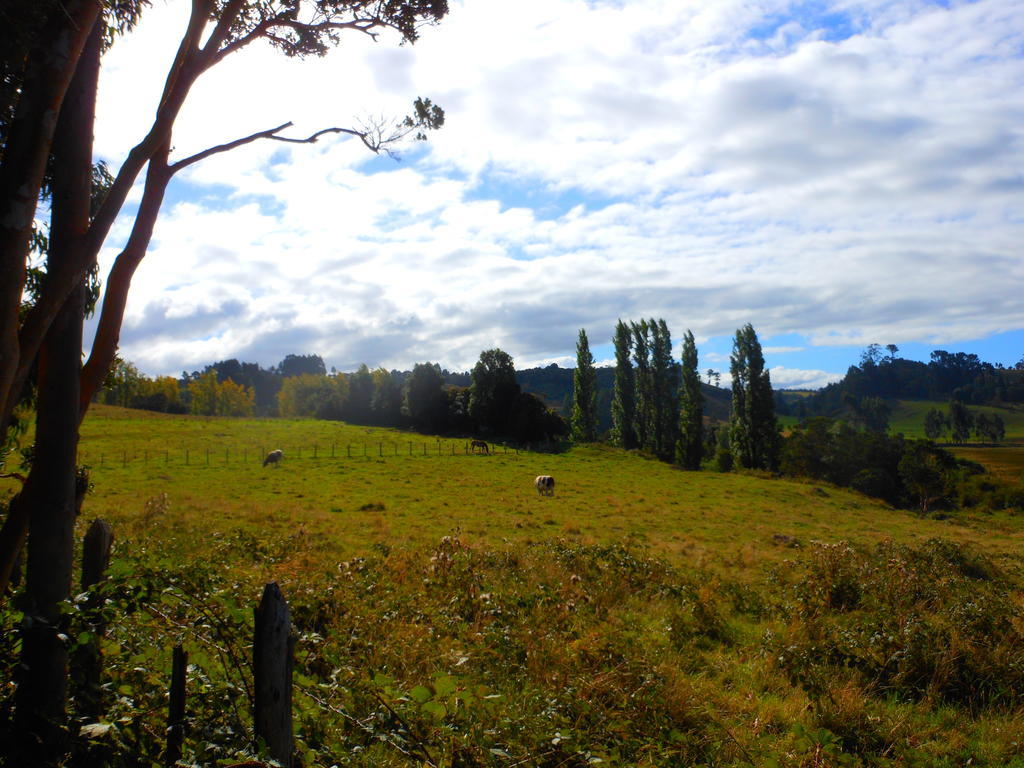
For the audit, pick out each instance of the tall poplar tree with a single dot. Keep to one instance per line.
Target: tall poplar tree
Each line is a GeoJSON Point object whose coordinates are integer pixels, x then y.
{"type": "Point", "coordinates": [644, 389]}
{"type": "Point", "coordinates": [753, 429]}
{"type": "Point", "coordinates": [664, 388]}
{"type": "Point", "coordinates": [584, 383]}
{"type": "Point", "coordinates": [624, 395]}
{"type": "Point", "coordinates": [690, 446]}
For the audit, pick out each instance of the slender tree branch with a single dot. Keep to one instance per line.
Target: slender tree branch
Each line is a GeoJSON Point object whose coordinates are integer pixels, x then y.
{"type": "Point", "coordinates": [267, 134]}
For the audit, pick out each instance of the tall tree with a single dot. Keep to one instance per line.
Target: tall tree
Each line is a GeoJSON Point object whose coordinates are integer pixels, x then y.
{"type": "Point", "coordinates": [40, 332]}
{"type": "Point", "coordinates": [360, 396]}
{"type": "Point", "coordinates": [665, 389]}
{"type": "Point", "coordinates": [961, 421]}
{"type": "Point", "coordinates": [690, 447]}
{"type": "Point", "coordinates": [387, 398]}
{"type": "Point", "coordinates": [493, 391]}
{"type": "Point", "coordinates": [642, 423]}
{"type": "Point", "coordinates": [624, 396]}
{"type": "Point", "coordinates": [426, 405]}
{"type": "Point", "coordinates": [753, 428]}
{"type": "Point", "coordinates": [935, 424]}
{"type": "Point", "coordinates": [584, 382]}
{"type": "Point", "coordinates": [50, 493]}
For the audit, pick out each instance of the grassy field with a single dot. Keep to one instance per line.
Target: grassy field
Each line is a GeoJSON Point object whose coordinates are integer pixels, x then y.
{"type": "Point", "coordinates": [908, 417]}
{"type": "Point", "coordinates": [384, 486]}
{"type": "Point", "coordinates": [449, 615]}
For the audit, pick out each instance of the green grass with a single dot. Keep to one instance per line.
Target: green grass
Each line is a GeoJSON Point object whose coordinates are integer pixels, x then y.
{"type": "Point", "coordinates": [908, 417]}
{"type": "Point", "coordinates": [640, 616]}
{"type": "Point", "coordinates": [603, 495]}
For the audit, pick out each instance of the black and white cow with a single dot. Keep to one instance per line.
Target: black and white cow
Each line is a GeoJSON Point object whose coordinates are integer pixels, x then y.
{"type": "Point", "coordinates": [545, 485]}
{"type": "Point", "coordinates": [274, 457]}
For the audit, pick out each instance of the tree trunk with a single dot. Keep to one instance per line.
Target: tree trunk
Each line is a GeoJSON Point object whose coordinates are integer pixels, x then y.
{"type": "Point", "coordinates": [48, 73]}
{"type": "Point", "coordinates": [115, 295]}
{"type": "Point", "coordinates": [20, 343]}
{"type": "Point", "coordinates": [51, 493]}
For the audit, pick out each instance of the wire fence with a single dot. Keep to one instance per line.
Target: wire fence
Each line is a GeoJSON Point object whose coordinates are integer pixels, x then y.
{"type": "Point", "coordinates": [227, 455]}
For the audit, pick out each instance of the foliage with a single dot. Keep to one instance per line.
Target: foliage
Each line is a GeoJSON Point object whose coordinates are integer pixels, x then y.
{"type": "Point", "coordinates": [425, 402]}
{"type": "Point", "coordinates": [934, 623]}
{"type": "Point", "coordinates": [493, 391]}
{"type": "Point", "coordinates": [624, 396]}
{"type": "Point", "coordinates": [690, 447]}
{"type": "Point", "coordinates": [946, 376]}
{"type": "Point", "coordinates": [209, 397]}
{"type": "Point", "coordinates": [584, 401]}
{"type": "Point", "coordinates": [753, 430]}
{"type": "Point", "coordinates": [312, 395]}
{"type": "Point", "coordinates": [357, 406]}
{"type": "Point", "coordinates": [914, 474]}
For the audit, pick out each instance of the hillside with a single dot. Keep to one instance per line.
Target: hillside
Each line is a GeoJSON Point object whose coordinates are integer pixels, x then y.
{"type": "Point", "coordinates": [641, 616]}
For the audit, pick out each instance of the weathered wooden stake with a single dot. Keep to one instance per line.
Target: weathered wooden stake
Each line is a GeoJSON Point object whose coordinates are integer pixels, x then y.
{"type": "Point", "coordinates": [87, 661]}
{"type": "Point", "coordinates": [273, 646]}
{"type": "Point", "coordinates": [176, 708]}
{"type": "Point", "coordinates": [99, 539]}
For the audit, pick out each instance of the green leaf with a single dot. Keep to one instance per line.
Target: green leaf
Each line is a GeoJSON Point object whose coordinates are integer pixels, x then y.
{"type": "Point", "coordinates": [435, 709]}
{"type": "Point", "coordinates": [444, 685]}
{"type": "Point", "coordinates": [421, 694]}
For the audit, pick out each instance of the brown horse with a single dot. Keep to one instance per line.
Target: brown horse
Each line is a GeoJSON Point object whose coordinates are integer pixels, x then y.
{"type": "Point", "coordinates": [479, 444]}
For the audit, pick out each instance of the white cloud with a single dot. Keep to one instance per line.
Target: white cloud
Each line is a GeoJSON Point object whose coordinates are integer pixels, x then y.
{"type": "Point", "coordinates": [654, 158]}
{"type": "Point", "coordinates": [794, 378]}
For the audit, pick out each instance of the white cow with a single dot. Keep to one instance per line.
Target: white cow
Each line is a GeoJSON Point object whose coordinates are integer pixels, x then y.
{"type": "Point", "coordinates": [274, 457]}
{"type": "Point", "coordinates": [545, 485]}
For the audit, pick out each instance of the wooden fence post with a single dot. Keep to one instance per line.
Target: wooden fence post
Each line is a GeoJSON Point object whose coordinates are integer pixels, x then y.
{"type": "Point", "coordinates": [176, 708]}
{"type": "Point", "coordinates": [272, 649]}
{"type": "Point", "coordinates": [96, 552]}
{"type": "Point", "coordinates": [99, 539]}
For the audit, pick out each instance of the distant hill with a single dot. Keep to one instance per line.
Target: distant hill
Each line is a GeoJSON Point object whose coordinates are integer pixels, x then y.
{"type": "Point", "coordinates": [946, 376]}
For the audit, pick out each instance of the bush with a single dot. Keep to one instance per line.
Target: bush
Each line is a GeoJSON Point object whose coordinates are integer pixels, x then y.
{"type": "Point", "coordinates": [934, 622]}
{"type": "Point", "coordinates": [723, 460]}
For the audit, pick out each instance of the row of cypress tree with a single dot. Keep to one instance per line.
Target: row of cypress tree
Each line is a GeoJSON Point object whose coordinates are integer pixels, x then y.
{"type": "Point", "coordinates": [658, 406]}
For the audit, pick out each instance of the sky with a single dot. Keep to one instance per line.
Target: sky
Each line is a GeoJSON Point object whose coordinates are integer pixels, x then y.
{"type": "Point", "coordinates": [834, 172]}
